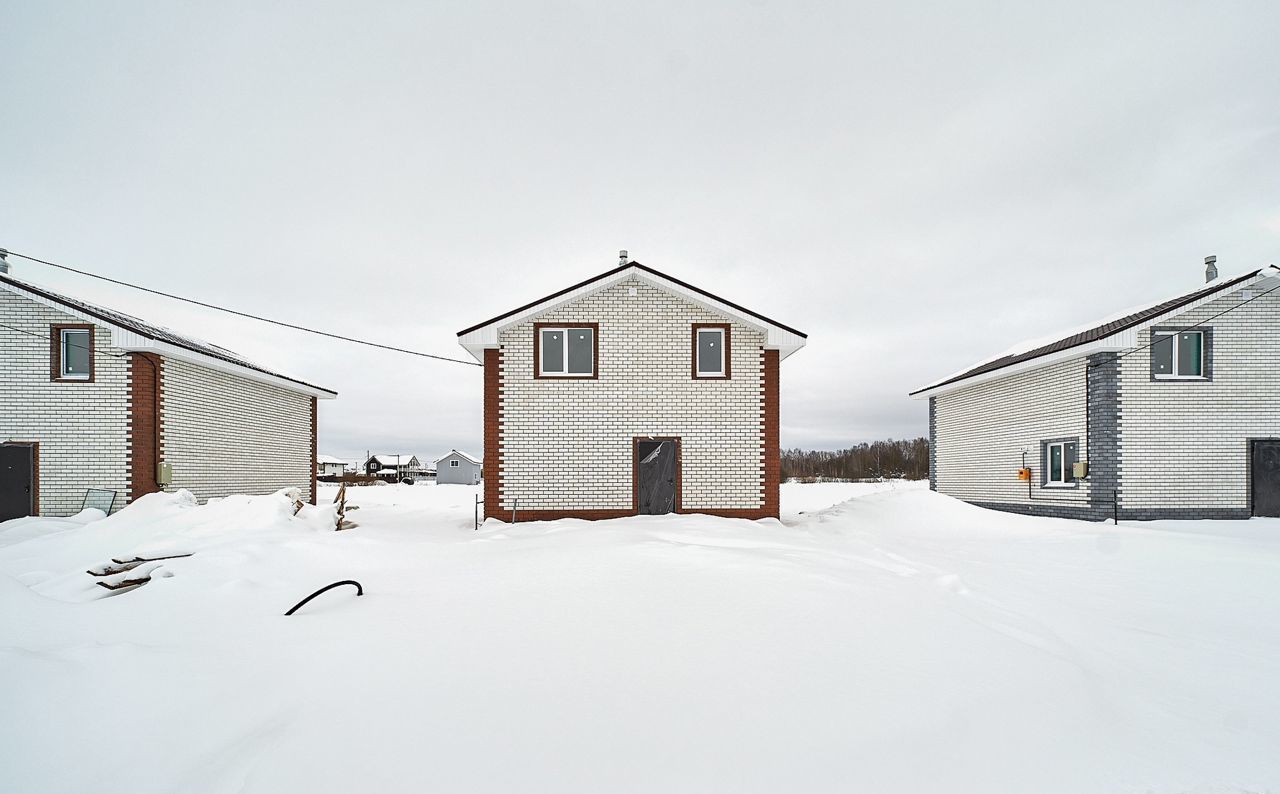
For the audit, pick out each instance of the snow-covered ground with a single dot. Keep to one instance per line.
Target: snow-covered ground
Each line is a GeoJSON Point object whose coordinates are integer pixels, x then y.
{"type": "Point", "coordinates": [896, 642]}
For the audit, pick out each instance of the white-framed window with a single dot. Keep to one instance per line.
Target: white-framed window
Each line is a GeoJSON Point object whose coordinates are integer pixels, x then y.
{"type": "Point", "coordinates": [1178, 354]}
{"type": "Point", "coordinates": [710, 351]}
{"type": "Point", "coordinates": [453, 464]}
{"type": "Point", "coordinates": [567, 352]}
{"type": "Point", "coordinates": [75, 354]}
{"type": "Point", "coordinates": [1059, 456]}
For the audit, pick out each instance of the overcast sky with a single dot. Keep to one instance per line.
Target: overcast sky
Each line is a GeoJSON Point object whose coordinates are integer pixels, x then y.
{"type": "Point", "coordinates": [915, 185]}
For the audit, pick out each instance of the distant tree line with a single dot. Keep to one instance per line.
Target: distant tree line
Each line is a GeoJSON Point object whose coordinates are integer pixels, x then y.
{"type": "Point", "coordinates": [879, 460]}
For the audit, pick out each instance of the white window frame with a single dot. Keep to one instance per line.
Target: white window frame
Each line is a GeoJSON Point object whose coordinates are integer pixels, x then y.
{"type": "Point", "coordinates": [62, 354]}
{"type": "Point", "coordinates": [566, 329]}
{"type": "Point", "coordinates": [724, 354]}
{"type": "Point", "coordinates": [453, 464]}
{"type": "Point", "coordinates": [1175, 375]}
{"type": "Point", "coordinates": [1049, 482]}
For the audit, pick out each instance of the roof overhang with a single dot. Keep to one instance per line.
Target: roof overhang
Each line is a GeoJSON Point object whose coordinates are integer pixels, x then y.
{"type": "Point", "coordinates": [1265, 279]}
{"type": "Point", "coordinates": [777, 336]}
{"type": "Point", "coordinates": [131, 341]}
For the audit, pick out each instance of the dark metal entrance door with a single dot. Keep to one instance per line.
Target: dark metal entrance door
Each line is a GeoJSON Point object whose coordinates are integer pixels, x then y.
{"type": "Point", "coordinates": [1266, 478]}
{"type": "Point", "coordinates": [656, 477]}
{"type": "Point", "coordinates": [17, 480]}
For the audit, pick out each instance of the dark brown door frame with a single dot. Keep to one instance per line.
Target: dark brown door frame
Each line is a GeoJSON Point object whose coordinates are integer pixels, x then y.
{"type": "Point", "coordinates": [635, 470]}
{"type": "Point", "coordinates": [1249, 452]}
{"type": "Point", "coordinates": [35, 471]}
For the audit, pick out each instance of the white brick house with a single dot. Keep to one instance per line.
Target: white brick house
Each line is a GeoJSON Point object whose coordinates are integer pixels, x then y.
{"type": "Point", "coordinates": [1173, 410]}
{"type": "Point", "coordinates": [93, 398]}
{"type": "Point", "coordinates": [630, 392]}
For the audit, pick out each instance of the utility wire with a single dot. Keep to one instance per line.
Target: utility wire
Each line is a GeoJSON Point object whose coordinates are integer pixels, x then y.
{"type": "Point", "coordinates": [245, 314]}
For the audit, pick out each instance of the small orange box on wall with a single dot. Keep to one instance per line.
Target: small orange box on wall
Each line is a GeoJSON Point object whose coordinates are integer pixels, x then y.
{"type": "Point", "coordinates": [1024, 474]}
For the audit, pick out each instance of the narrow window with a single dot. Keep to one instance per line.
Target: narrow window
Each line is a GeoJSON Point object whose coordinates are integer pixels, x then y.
{"type": "Point", "coordinates": [711, 351]}
{"type": "Point", "coordinates": [1059, 457]}
{"type": "Point", "coordinates": [1177, 354]}
{"type": "Point", "coordinates": [567, 352]}
{"type": "Point", "coordinates": [73, 353]}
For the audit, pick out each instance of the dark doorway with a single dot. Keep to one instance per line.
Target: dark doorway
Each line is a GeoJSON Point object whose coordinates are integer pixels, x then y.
{"type": "Point", "coordinates": [657, 469]}
{"type": "Point", "coordinates": [17, 481]}
{"type": "Point", "coordinates": [1266, 478]}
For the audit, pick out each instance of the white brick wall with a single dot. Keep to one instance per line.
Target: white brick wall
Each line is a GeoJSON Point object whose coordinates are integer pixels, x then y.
{"type": "Point", "coordinates": [82, 428]}
{"type": "Point", "coordinates": [225, 434]}
{"type": "Point", "coordinates": [982, 431]}
{"type": "Point", "coordinates": [567, 444]}
{"type": "Point", "coordinates": [1185, 445]}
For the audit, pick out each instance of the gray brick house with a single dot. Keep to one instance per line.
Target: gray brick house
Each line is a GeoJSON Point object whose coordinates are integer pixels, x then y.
{"type": "Point", "coordinates": [1170, 411]}
{"type": "Point", "coordinates": [630, 392]}
{"type": "Point", "coordinates": [94, 398]}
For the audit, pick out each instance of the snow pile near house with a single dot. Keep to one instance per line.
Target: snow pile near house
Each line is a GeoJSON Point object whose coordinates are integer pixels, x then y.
{"type": "Point", "coordinates": [897, 642]}
{"type": "Point", "coordinates": [52, 555]}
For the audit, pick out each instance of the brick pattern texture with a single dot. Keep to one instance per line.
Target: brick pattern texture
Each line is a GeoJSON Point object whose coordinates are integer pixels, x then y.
{"type": "Point", "coordinates": [146, 422]}
{"type": "Point", "coordinates": [225, 434]}
{"type": "Point", "coordinates": [564, 447]}
{"type": "Point", "coordinates": [1185, 445]}
{"type": "Point", "coordinates": [82, 428]}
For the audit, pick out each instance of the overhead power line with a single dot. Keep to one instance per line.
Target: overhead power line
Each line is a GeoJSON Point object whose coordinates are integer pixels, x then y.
{"type": "Point", "coordinates": [246, 315]}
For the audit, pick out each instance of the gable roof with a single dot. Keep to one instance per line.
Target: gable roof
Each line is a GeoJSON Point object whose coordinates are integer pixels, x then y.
{"type": "Point", "coordinates": [205, 352]}
{"type": "Point", "coordinates": [391, 460]}
{"type": "Point", "coordinates": [1100, 331]}
{"type": "Point", "coordinates": [485, 335]}
{"type": "Point", "coordinates": [460, 454]}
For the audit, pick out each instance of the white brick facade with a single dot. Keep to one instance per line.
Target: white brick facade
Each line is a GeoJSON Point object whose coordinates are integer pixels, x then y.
{"type": "Point", "coordinates": [225, 434]}
{"type": "Point", "coordinates": [1185, 445]}
{"type": "Point", "coordinates": [567, 444]}
{"type": "Point", "coordinates": [1162, 448]}
{"type": "Point", "coordinates": [983, 431]}
{"type": "Point", "coordinates": [82, 428]}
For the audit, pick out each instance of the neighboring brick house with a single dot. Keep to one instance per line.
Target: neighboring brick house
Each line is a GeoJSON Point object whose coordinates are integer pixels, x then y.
{"type": "Point", "coordinates": [93, 398]}
{"type": "Point", "coordinates": [458, 468]}
{"type": "Point", "coordinates": [1172, 410]}
{"type": "Point", "coordinates": [630, 392]}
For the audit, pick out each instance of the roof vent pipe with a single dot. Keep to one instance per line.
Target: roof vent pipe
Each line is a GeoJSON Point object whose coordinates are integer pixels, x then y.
{"type": "Point", "coordinates": [1210, 268]}
{"type": "Point", "coordinates": [623, 258]}
{"type": "Point", "coordinates": [4, 263]}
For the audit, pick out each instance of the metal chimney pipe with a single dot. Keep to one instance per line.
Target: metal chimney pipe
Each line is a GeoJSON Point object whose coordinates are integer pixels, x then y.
{"type": "Point", "coordinates": [1210, 268]}
{"type": "Point", "coordinates": [623, 258]}
{"type": "Point", "coordinates": [4, 263]}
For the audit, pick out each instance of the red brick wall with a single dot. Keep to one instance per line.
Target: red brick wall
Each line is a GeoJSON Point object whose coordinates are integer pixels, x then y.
{"type": "Point", "coordinates": [770, 436]}
{"type": "Point", "coordinates": [492, 433]}
{"type": "Point", "coordinates": [314, 462]}
{"type": "Point", "coordinates": [146, 427]}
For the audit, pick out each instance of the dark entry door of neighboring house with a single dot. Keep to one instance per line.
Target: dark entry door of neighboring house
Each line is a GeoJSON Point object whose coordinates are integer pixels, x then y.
{"type": "Point", "coordinates": [17, 481]}
{"type": "Point", "coordinates": [1266, 478]}
{"type": "Point", "coordinates": [656, 477]}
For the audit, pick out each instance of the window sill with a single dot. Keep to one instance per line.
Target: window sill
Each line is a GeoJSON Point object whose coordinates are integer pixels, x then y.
{"type": "Point", "coordinates": [1183, 378]}
{"type": "Point", "coordinates": [1061, 486]}
{"type": "Point", "coordinates": [88, 379]}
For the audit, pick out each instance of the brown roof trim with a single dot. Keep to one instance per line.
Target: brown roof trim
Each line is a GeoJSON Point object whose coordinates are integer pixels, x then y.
{"type": "Point", "coordinates": [618, 270]}
{"type": "Point", "coordinates": [141, 328]}
{"type": "Point", "coordinates": [1090, 335]}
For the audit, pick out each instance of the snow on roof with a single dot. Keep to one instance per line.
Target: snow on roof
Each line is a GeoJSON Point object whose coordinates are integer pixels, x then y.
{"type": "Point", "coordinates": [460, 454]}
{"type": "Point", "coordinates": [154, 332]}
{"type": "Point", "coordinates": [394, 460]}
{"type": "Point", "coordinates": [1096, 330]}
{"type": "Point", "coordinates": [330, 459]}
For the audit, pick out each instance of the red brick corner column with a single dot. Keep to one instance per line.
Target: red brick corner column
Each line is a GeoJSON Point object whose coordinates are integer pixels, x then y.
{"type": "Point", "coordinates": [771, 503]}
{"type": "Point", "coordinates": [492, 433]}
{"type": "Point", "coordinates": [314, 462]}
{"type": "Point", "coordinates": [146, 425]}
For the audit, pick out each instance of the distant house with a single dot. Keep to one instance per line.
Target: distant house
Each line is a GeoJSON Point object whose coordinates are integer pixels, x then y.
{"type": "Point", "coordinates": [458, 468]}
{"type": "Point", "coordinates": [1169, 411]}
{"type": "Point", "coordinates": [630, 392]}
{"type": "Point", "coordinates": [329, 466]}
{"type": "Point", "coordinates": [393, 468]}
{"type": "Point", "coordinates": [94, 398]}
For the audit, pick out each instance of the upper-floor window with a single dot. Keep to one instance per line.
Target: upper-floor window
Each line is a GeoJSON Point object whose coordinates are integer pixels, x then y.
{"type": "Point", "coordinates": [453, 464]}
{"type": "Point", "coordinates": [711, 350]}
{"type": "Point", "coordinates": [1179, 354]}
{"type": "Point", "coordinates": [566, 351]}
{"type": "Point", "coordinates": [72, 352]}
